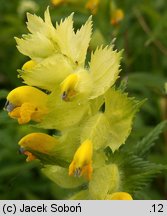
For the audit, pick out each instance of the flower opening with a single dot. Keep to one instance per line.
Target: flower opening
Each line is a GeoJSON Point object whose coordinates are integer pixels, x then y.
{"type": "Point", "coordinates": [68, 87]}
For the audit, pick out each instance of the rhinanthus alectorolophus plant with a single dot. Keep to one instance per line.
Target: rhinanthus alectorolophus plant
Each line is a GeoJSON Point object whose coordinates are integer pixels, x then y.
{"type": "Point", "coordinates": [92, 117]}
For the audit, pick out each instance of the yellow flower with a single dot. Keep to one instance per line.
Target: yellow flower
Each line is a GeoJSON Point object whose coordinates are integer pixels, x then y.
{"type": "Point", "coordinates": [119, 196]}
{"type": "Point", "coordinates": [82, 161]}
{"type": "Point", "coordinates": [117, 16]}
{"type": "Point", "coordinates": [68, 87]}
{"type": "Point", "coordinates": [92, 5]}
{"type": "Point", "coordinates": [26, 103]}
{"type": "Point", "coordinates": [57, 2]}
{"type": "Point", "coordinates": [29, 65]}
{"type": "Point", "coordinates": [38, 142]}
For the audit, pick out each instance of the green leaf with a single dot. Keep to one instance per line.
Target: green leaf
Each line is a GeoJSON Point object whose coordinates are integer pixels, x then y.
{"type": "Point", "coordinates": [143, 146]}
{"type": "Point", "coordinates": [3, 93]}
{"type": "Point", "coordinates": [136, 172]}
{"type": "Point", "coordinates": [138, 181]}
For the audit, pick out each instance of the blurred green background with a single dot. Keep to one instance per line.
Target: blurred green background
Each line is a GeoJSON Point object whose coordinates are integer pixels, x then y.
{"type": "Point", "coordinates": [142, 33]}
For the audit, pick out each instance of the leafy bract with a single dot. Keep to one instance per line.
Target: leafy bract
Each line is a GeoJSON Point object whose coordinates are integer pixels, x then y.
{"type": "Point", "coordinates": [105, 180]}
{"type": "Point", "coordinates": [104, 69]}
{"type": "Point", "coordinates": [43, 33]}
{"type": "Point", "coordinates": [73, 45]}
{"type": "Point", "coordinates": [112, 127]}
{"type": "Point", "coordinates": [63, 114]}
{"type": "Point", "coordinates": [29, 46]}
{"type": "Point", "coordinates": [120, 111]}
{"type": "Point", "coordinates": [49, 73]}
{"type": "Point", "coordinates": [97, 130]}
{"type": "Point", "coordinates": [81, 195]}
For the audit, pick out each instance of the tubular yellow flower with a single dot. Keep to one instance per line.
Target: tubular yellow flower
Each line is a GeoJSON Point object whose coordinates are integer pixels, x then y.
{"type": "Point", "coordinates": [26, 103]}
{"type": "Point", "coordinates": [119, 196]}
{"type": "Point", "coordinates": [29, 65]}
{"type": "Point", "coordinates": [68, 87]}
{"type": "Point", "coordinates": [57, 2]}
{"type": "Point", "coordinates": [92, 5]}
{"type": "Point", "coordinates": [117, 16]}
{"type": "Point", "coordinates": [38, 142]}
{"type": "Point", "coordinates": [82, 161]}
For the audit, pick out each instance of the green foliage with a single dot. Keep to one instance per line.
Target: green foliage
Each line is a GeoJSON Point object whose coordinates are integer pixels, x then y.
{"type": "Point", "coordinates": [136, 172]}
{"type": "Point", "coordinates": [142, 147]}
{"type": "Point", "coordinates": [15, 174]}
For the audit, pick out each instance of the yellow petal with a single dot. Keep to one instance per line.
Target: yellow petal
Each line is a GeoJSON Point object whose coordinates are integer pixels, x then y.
{"type": "Point", "coordinates": [39, 142]}
{"type": "Point", "coordinates": [68, 87]}
{"type": "Point", "coordinates": [27, 94]}
{"type": "Point", "coordinates": [92, 5]}
{"type": "Point", "coordinates": [30, 156]}
{"type": "Point", "coordinates": [57, 2]}
{"type": "Point", "coordinates": [119, 196]}
{"type": "Point", "coordinates": [117, 16]}
{"type": "Point", "coordinates": [29, 65]}
{"type": "Point", "coordinates": [82, 161]}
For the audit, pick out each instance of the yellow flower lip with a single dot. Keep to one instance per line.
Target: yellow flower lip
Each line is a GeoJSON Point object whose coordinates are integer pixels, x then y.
{"type": "Point", "coordinates": [30, 156]}
{"type": "Point", "coordinates": [29, 65]}
{"type": "Point", "coordinates": [82, 161]}
{"type": "Point", "coordinates": [68, 87]}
